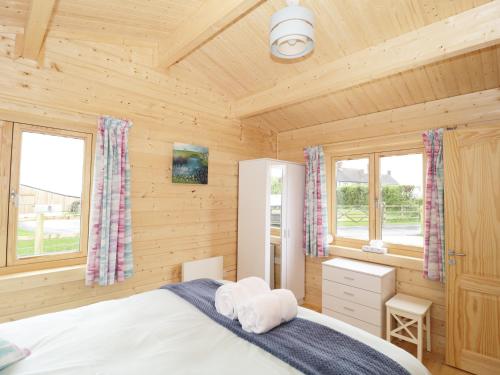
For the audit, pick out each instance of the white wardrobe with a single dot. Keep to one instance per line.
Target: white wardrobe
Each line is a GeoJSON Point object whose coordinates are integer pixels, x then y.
{"type": "Point", "coordinates": [270, 212]}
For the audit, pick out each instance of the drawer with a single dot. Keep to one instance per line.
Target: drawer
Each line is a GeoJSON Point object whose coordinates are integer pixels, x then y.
{"type": "Point", "coordinates": [371, 328]}
{"type": "Point", "coordinates": [355, 279]}
{"type": "Point", "coordinates": [360, 312]}
{"type": "Point", "coordinates": [352, 294]}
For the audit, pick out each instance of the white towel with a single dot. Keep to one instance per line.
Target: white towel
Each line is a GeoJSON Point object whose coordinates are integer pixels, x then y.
{"type": "Point", "coordinates": [288, 304]}
{"type": "Point", "coordinates": [229, 297]}
{"type": "Point", "coordinates": [267, 311]}
{"type": "Point", "coordinates": [224, 302]}
{"type": "Point", "coordinates": [261, 314]}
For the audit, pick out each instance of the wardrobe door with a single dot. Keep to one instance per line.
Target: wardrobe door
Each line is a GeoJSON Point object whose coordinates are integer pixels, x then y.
{"type": "Point", "coordinates": [294, 203]}
{"type": "Point", "coordinates": [253, 220]}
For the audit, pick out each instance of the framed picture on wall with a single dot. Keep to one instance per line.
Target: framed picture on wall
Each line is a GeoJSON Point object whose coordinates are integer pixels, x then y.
{"type": "Point", "coordinates": [189, 164]}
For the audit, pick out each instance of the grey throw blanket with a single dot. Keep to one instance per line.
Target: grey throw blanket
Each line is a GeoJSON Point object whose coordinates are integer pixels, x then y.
{"type": "Point", "coordinates": [308, 346]}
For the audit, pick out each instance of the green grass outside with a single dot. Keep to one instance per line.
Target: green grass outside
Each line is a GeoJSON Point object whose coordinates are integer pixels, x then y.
{"type": "Point", "coordinates": [51, 245]}
{"type": "Point", "coordinates": [360, 218]}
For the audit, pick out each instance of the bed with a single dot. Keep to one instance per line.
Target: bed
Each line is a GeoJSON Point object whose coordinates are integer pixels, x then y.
{"type": "Point", "coordinates": [155, 333]}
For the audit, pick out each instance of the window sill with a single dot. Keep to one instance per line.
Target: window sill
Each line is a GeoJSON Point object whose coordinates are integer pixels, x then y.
{"type": "Point", "coordinates": [34, 279]}
{"type": "Point", "coordinates": [386, 259]}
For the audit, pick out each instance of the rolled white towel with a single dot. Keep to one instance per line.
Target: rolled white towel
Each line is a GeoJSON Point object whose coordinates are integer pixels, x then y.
{"type": "Point", "coordinates": [267, 311]}
{"type": "Point", "coordinates": [261, 314]}
{"type": "Point", "coordinates": [288, 304]}
{"type": "Point", "coordinates": [255, 285]}
{"type": "Point", "coordinates": [229, 297]}
{"type": "Point", "coordinates": [224, 300]}
{"type": "Point", "coordinates": [248, 288]}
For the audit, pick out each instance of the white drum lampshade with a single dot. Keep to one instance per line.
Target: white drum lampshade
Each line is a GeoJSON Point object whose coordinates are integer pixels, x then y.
{"type": "Point", "coordinates": [292, 31]}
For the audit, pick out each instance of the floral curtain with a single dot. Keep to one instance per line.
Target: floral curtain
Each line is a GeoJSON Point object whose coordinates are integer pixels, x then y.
{"type": "Point", "coordinates": [110, 239]}
{"type": "Point", "coordinates": [434, 250]}
{"type": "Point", "coordinates": [315, 239]}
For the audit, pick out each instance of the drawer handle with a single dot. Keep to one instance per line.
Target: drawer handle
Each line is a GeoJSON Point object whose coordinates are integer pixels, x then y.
{"type": "Point", "coordinates": [348, 309]}
{"type": "Point", "coordinates": [349, 294]}
{"type": "Point", "coordinates": [349, 278]}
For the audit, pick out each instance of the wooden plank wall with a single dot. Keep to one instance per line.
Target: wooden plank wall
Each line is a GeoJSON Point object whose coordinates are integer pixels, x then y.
{"type": "Point", "coordinates": [375, 129]}
{"type": "Point", "coordinates": [171, 223]}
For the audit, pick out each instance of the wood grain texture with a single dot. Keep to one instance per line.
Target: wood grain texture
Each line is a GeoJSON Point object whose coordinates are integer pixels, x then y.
{"type": "Point", "coordinates": [373, 133]}
{"type": "Point", "coordinates": [467, 110]}
{"type": "Point", "coordinates": [238, 60]}
{"type": "Point", "coordinates": [472, 176]}
{"type": "Point", "coordinates": [472, 72]}
{"type": "Point", "coordinates": [212, 17]}
{"type": "Point", "coordinates": [5, 157]}
{"type": "Point", "coordinates": [463, 33]}
{"type": "Point", "coordinates": [172, 223]}
{"type": "Point", "coordinates": [35, 29]}
{"type": "Point", "coordinates": [237, 63]}
{"type": "Point", "coordinates": [127, 22]}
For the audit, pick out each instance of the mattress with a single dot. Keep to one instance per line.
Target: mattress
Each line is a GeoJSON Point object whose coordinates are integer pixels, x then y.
{"type": "Point", "coordinates": [155, 333]}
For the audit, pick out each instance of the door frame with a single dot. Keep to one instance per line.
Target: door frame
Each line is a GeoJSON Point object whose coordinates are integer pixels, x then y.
{"type": "Point", "coordinates": [452, 189]}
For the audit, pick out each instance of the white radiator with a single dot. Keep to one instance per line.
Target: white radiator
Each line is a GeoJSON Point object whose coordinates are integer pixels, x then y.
{"type": "Point", "coordinates": [211, 268]}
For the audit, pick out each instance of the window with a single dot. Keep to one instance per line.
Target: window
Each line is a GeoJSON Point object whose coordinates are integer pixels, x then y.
{"type": "Point", "coordinates": [352, 208]}
{"type": "Point", "coordinates": [49, 194]}
{"type": "Point", "coordinates": [401, 210]}
{"type": "Point", "coordinates": [379, 196]}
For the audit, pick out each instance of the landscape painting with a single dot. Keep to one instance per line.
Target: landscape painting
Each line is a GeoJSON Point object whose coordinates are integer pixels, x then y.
{"type": "Point", "coordinates": [190, 164]}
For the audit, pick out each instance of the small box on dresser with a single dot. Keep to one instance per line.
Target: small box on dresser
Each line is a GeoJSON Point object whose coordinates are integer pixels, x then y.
{"type": "Point", "coordinates": [355, 292]}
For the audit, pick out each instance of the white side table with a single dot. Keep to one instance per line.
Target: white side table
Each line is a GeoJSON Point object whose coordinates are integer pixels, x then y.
{"type": "Point", "coordinates": [409, 311]}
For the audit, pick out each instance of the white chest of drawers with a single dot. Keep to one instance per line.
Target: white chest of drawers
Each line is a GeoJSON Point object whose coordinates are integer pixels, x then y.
{"type": "Point", "coordinates": [355, 292]}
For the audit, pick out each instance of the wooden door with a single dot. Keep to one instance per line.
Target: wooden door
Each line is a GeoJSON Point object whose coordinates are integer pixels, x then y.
{"type": "Point", "coordinates": [472, 210]}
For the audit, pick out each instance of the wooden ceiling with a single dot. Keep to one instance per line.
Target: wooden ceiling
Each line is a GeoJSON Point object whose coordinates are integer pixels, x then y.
{"type": "Point", "coordinates": [236, 61]}
{"type": "Point", "coordinates": [138, 22]}
{"type": "Point", "coordinates": [476, 71]}
{"type": "Point", "coordinates": [239, 62]}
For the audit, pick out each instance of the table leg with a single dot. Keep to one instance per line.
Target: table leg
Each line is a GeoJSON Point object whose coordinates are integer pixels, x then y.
{"type": "Point", "coordinates": [428, 329]}
{"type": "Point", "coordinates": [388, 325]}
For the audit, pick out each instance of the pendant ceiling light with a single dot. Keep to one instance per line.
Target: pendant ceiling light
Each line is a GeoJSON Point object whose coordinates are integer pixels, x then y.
{"type": "Point", "coordinates": [292, 31]}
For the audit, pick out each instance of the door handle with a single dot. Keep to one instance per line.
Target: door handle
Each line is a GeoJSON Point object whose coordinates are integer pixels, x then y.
{"type": "Point", "coordinates": [452, 253]}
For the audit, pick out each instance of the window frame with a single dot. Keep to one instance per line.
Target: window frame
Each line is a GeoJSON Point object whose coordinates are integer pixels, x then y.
{"type": "Point", "coordinates": [47, 260]}
{"type": "Point", "coordinates": [374, 198]}
{"type": "Point", "coordinates": [346, 241]}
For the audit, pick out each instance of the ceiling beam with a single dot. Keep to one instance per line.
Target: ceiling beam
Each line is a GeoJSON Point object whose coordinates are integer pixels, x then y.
{"type": "Point", "coordinates": [210, 19]}
{"type": "Point", "coordinates": [472, 30]}
{"type": "Point", "coordinates": [39, 15]}
{"type": "Point", "coordinates": [477, 108]}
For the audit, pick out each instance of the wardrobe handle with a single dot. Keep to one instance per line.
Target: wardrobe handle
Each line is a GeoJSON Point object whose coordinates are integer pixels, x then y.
{"type": "Point", "coordinates": [348, 309]}
{"type": "Point", "coordinates": [349, 294]}
{"type": "Point", "coordinates": [349, 278]}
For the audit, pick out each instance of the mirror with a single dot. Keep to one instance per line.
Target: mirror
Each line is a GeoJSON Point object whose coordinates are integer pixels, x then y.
{"type": "Point", "coordinates": [276, 225]}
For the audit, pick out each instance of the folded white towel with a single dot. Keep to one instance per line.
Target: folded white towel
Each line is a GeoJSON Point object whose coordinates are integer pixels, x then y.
{"type": "Point", "coordinates": [229, 297]}
{"type": "Point", "coordinates": [266, 311]}
{"type": "Point", "coordinates": [288, 304]}
{"type": "Point", "coordinates": [261, 314]}
{"type": "Point", "coordinates": [224, 302]}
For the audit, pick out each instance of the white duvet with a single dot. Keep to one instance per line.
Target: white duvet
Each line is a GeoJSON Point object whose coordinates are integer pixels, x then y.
{"type": "Point", "coordinates": [154, 333]}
